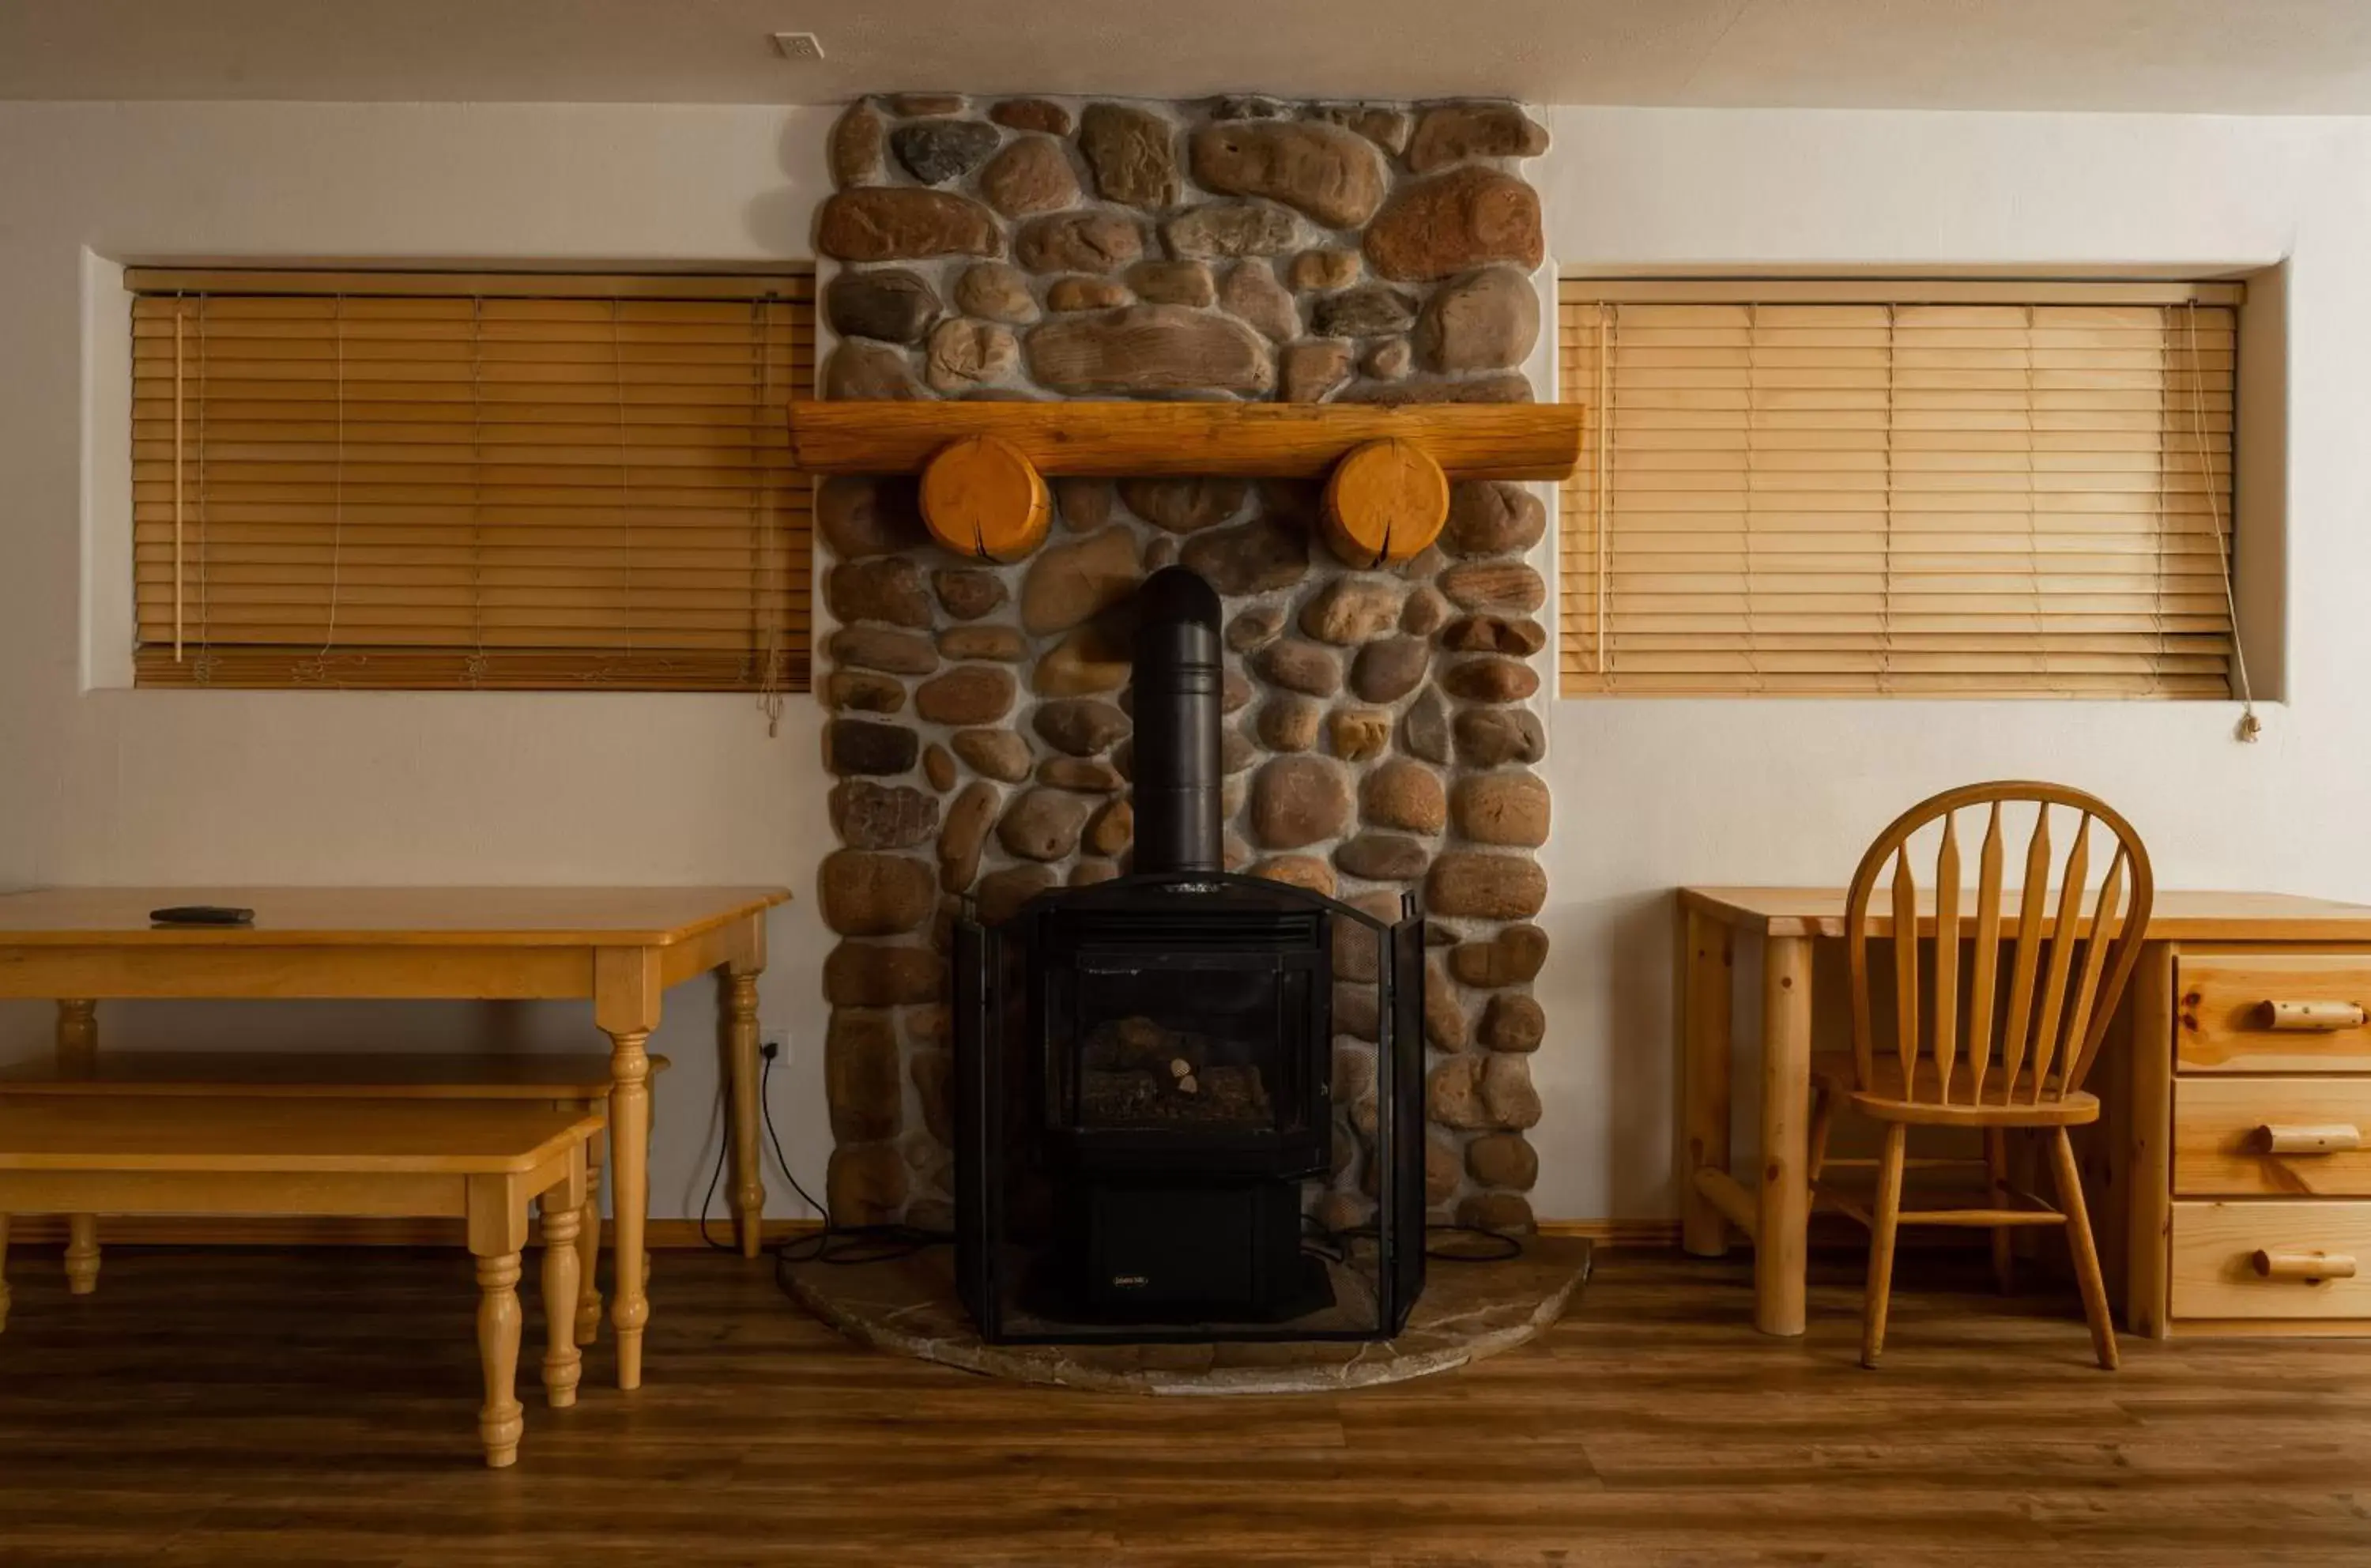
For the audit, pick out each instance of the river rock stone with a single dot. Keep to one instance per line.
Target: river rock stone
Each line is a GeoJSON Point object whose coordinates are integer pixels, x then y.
{"type": "Point", "coordinates": [853, 746]}
{"type": "Point", "coordinates": [869, 894]}
{"type": "Point", "coordinates": [1424, 728]}
{"type": "Point", "coordinates": [1423, 612]}
{"type": "Point", "coordinates": [1453, 132]}
{"type": "Point", "coordinates": [1389, 670]}
{"type": "Point", "coordinates": [1296, 871]}
{"type": "Point", "coordinates": [1230, 228]}
{"type": "Point", "coordinates": [1089, 869]}
{"type": "Point", "coordinates": [1001, 754]}
{"type": "Point", "coordinates": [1501, 1214]}
{"type": "Point", "coordinates": [1311, 370]}
{"type": "Point", "coordinates": [1331, 174]}
{"type": "Point", "coordinates": [1506, 1093]}
{"type": "Point", "coordinates": [1352, 610]}
{"type": "Point", "coordinates": [964, 832]}
{"type": "Point", "coordinates": [1289, 723]}
{"type": "Point", "coordinates": [1085, 294]}
{"type": "Point", "coordinates": [1002, 894]}
{"type": "Point", "coordinates": [1093, 659]}
{"type": "Point", "coordinates": [1151, 347]}
{"type": "Point", "coordinates": [1041, 824]}
{"type": "Point", "coordinates": [882, 816]}
{"type": "Point", "coordinates": [1184, 506]}
{"type": "Point", "coordinates": [1172, 282]}
{"type": "Point", "coordinates": [885, 588]}
{"type": "Point", "coordinates": [1032, 114]}
{"type": "Point", "coordinates": [1081, 726]}
{"type": "Point", "coordinates": [967, 593]}
{"type": "Point", "coordinates": [1484, 320]}
{"type": "Point", "coordinates": [863, 692]}
{"type": "Point", "coordinates": [1359, 733]}
{"type": "Point", "coordinates": [996, 292]}
{"type": "Point", "coordinates": [1299, 799]}
{"type": "Point", "coordinates": [1327, 269]}
{"type": "Point", "coordinates": [1384, 126]}
{"type": "Point", "coordinates": [918, 106]}
{"type": "Point", "coordinates": [1487, 737]}
{"type": "Point", "coordinates": [1494, 586]}
{"type": "Point", "coordinates": [1030, 175]}
{"type": "Point", "coordinates": [1084, 505]}
{"type": "Point", "coordinates": [1494, 634]}
{"type": "Point", "coordinates": [1513, 1022]}
{"type": "Point", "coordinates": [1482, 886]}
{"type": "Point", "coordinates": [1132, 153]}
{"type": "Point", "coordinates": [1513, 957]}
{"type": "Point", "coordinates": [969, 693]}
{"type": "Point", "coordinates": [939, 150]}
{"type": "Point", "coordinates": [901, 222]}
{"type": "Point", "coordinates": [1004, 644]}
{"type": "Point", "coordinates": [859, 1075]}
{"type": "Point", "coordinates": [1082, 775]}
{"type": "Point", "coordinates": [889, 302]}
{"type": "Point", "coordinates": [1258, 557]}
{"type": "Point", "coordinates": [1490, 517]}
{"type": "Point", "coordinates": [1079, 242]}
{"type": "Point", "coordinates": [877, 975]}
{"type": "Point", "coordinates": [1300, 666]}
{"type": "Point", "coordinates": [1452, 1094]}
{"type": "Point", "coordinates": [1503, 1160]}
{"type": "Point", "coordinates": [939, 768]}
{"type": "Point", "coordinates": [1403, 794]}
{"type": "Point", "coordinates": [1253, 627]}
{"type": "Point", "coordinates": [858, 140]}
{"type": "Point", "coordinates": [1389, 359]}
{"type": "Point", "coordinates": [865, 1183]}
{"type": "Point", "coordinates": [1112, 829]}
{"type": "Point", "coordinates": [1369, 310]}
{"type": "Point", "coordinates": [1068, 582]}
{"type": "Point", "coordinates": [1490, 680]}
{"type": "Point", "coordinates": [1382, 856]}
{"type": "Point", "coordinates": [1452, 223]}
{"type": "Point", "coordinates": [1503, 808]}
{"type": "Point", "coordinates": [864, 516]}
{"type": "Point", "coordinates": [861, 370]}
{"type": "Point", "coordinates": [881, 647]}
{"type": "Point", "coordinates": [1444, 1022]}
{"type": "Point", "coordinates": [1252, 293]}
{"type": "Point", "coordinates": [1356, 1014]}
{"type": "Point", "coordinates": [966, 354]}
{"type": "Point", "coordinates": [1508, 387]}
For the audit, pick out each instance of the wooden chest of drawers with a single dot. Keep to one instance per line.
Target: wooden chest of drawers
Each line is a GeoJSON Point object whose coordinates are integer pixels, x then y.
{"type": "Point", "coordinates": [2247, 1141]}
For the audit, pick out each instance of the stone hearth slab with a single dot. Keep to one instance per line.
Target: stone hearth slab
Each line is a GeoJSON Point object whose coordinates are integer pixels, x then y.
{"type": "Point", "coordinates": [1468, 1311]}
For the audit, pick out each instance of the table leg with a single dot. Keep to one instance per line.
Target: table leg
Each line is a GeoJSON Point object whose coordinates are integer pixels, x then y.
{"type": "Point", "coordinates": [79, 1057]}
{"type": "Point", "coordinates": [588, 1243]}
{"type": "Point", "coordinates": [626, 988]}
{"type": "Point", "coordinates": [563, 1364]}
{"type": "Point", "coordinates": [2148, 1151]}
{"type": "Point", "coordinates": [502, 1419]}
{"type": "Point", "coordinates": [1781, 1243]}
{"type": "Point", "coordinates": [749, 1188]}
{"type": "Point", "coordinates": [1706, 954]}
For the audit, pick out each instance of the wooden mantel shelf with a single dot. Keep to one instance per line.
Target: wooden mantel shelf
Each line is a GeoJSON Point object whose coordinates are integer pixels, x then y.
{"type": "Point", "coordinates": [984, 465]}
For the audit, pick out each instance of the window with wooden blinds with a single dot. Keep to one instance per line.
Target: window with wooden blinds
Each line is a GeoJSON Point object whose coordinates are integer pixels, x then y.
{"type": "Point", "coordinates": [1879, 488]}
{"type": "Point", "coordinates": [437, 480]}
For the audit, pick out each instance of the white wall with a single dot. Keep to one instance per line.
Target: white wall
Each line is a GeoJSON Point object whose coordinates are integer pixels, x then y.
{"type": "Point", "coordinates": [162, 787]}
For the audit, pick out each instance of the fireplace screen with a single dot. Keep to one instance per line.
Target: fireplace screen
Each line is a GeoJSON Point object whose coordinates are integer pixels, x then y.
{"type": "Point", "coordinates": [1192, 1044]}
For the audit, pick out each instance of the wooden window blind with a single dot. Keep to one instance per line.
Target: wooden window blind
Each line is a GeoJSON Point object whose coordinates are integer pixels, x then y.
{"type": "Point", "coordinates": [438, 480]}
{"type": "Point", "coordinates": [1863, 488]}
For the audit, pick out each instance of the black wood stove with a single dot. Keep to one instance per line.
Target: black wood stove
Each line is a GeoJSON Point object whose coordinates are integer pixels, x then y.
{"type": "Point", "coordinates": [1144, 1106]}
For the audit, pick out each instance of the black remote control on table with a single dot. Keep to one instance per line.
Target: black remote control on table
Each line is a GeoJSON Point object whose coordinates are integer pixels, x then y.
{"type": "Point", "coordinates": [203, 915]}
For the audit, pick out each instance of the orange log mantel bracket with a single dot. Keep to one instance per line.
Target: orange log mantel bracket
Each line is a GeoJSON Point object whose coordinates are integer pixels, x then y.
{"type": "Point", "coordinates": [984, 464]}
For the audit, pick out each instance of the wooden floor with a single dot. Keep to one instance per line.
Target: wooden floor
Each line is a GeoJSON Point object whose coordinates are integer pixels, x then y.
{"type": "Point", "coordinates": [278, 1408]}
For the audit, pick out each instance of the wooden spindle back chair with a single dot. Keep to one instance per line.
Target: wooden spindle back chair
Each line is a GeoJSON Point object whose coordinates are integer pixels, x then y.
{"type": "Point", "coordinates": [2014, 1052]}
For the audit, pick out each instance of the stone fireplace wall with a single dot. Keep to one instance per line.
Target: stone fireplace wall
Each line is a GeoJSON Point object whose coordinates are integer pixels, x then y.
{"type": "Point", "coordinates": [1379, 737]}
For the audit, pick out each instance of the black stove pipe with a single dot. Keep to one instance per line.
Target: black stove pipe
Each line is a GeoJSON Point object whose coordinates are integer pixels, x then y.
{"type": "Point", "coordinates": [1180, 678]}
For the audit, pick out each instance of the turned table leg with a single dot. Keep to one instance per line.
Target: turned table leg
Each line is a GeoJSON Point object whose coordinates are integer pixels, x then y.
{"type": "Point", "coordinates": [562, 1361]}
{"type": "Point", "coordinates": [1781, 1242]}
{"type": "Point", "coordinates": [79, 1057]}
{"type": "Point", "coordinates": [1705, 954]}
{"type": "Point", "coordinates": [749, 1188]}
{"type": "Point", "coordinates": [629, 1180]}
{"type": "Point", "coordinates": [502, 1420]}
{"type": "Point", "coordinates": [588, 1245]}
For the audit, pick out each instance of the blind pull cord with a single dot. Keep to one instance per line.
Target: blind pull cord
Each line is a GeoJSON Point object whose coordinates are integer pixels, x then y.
{"type": "Point", "coordinates": [2249, 727]}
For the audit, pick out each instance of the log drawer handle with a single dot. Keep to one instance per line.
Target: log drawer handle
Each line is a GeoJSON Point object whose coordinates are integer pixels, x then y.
{"type": "Point", "coordinates": [2334, 1137]}
{"type": "Point", "coordinates": [2310, 1267]}
{"type": "Point", "coordinates": [2309, 1017]}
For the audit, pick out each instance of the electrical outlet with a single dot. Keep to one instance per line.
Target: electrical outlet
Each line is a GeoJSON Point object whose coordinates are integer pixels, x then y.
{"type": "Point", "coordinates": [770, 1047]}
{"type": "Point", "coordinates": [797, 46]}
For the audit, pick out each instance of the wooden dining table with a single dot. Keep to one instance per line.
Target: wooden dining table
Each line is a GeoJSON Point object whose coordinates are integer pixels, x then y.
{"type": "Point", "coordinates": [620, 948]}
{"type": "Point", "coordinates": [1772, 1204]}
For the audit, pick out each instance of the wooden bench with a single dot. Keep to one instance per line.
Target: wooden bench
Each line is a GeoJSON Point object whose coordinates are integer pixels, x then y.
{"type": "Point", "coordinates": [575, 1080]}
{"type": "Point", "coordinates": [480, 1161]}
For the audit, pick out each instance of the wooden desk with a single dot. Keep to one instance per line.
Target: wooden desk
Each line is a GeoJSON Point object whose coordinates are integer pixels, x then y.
{"type": "Point", "coordinates": [1774, 1211]}
{"type": "Point", "coordinates": [621, 948]}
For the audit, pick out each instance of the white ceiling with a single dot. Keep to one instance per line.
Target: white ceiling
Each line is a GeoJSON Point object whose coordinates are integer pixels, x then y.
{"type": "Point", "coordinates": [2216, 56]}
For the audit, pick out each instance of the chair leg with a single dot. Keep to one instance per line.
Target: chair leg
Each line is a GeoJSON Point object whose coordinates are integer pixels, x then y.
{"type": "Point", "coordinates": [588, 1248]}
{"type": "Point", "coordinates": [2078, 1240]}
{"type": "Point", "coordinates": [1887, 1219]}
{"type": "Point", "coordinates": [1823, 1116]}
{"type": "Point", "coordinates": [502, 1420]}
{"type": "Point", "coordinates": [1997, 1171]}
{"type": "Point", "coordinates": [563, 1364]}
{"type": "Point", "coordinates": [82, 1253]}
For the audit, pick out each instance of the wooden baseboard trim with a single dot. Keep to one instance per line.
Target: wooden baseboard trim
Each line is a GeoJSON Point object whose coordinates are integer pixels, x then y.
{"type": "Point", "coordinates": [1616, 1232]}
{"type": "Point", "coordinates": [239, 1230]}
